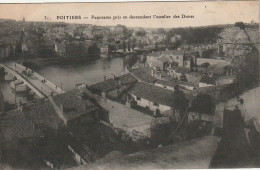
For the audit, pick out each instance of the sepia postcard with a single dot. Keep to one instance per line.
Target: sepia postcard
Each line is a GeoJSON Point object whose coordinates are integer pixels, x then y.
{"type": "Point", "coordinates": [129, 85]}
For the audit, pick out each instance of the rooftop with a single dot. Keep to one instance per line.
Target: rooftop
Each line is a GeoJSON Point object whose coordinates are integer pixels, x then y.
{"type": "Point", "coordinates": [173, 52]}
{"type": "Point", "coordinates": [74, 106]}
{"type": "Point", "coordinates": [15, 125]}
{"type": "Point", "coordinates": [143, 75]}
{"type": "Point", "coordinates": [167, 83]}
{"type": "Point", "coordinates": [111, 84]}
{"type": "Point", "coordinates": [153, 93]}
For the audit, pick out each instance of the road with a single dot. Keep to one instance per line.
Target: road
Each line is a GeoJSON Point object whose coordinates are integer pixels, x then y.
{"type": "Point", "coordinates": [33, 80]}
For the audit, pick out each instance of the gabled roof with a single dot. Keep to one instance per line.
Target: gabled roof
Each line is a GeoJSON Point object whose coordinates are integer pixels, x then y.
{"type": "Point", "coordinates": [142, 75]}
{"type": "Point", "coordinates": [167, 83]}
{"type": "Point", "coordinates": [15, 125]}
{"type": "Point", "coordinates": [153, 93]}
{"type": "Point", "coordinates": [111, 84]}
{"type": "Point", "coordinates": [73, 106]}
{"type": "Point", "coordinates": [43, 114]}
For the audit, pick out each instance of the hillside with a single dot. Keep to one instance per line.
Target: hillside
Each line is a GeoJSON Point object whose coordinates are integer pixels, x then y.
{"type": "Point", "coordinates": [196, 153]}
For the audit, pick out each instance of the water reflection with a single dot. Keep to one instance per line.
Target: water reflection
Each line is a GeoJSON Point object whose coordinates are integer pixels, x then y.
{"type": "Point", "coordinates": [67, 77]}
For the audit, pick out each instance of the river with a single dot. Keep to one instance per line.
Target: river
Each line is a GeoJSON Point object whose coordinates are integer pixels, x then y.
{"type": "Point", "coordinates": [67, 77]}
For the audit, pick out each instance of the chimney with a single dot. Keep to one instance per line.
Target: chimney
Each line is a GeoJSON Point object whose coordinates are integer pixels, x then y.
{"type": "Point", "coordinates": [105, 78]}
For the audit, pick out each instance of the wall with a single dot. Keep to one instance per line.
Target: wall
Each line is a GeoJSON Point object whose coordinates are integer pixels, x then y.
{"type": "Point", "coordinates": [163, 86]}
{"type": "Point", "coordinates": [135, 123]}
{"type": "Point", "coordinates": [228, 80]}
{"type": "Point", "coordinates": [50, 84]}
{"type": "Point", "coordinates": [205, 85]}
{"type": "Point", "coordinates": [18, 76]}
{"type": "Point", "coordinates": [147, 103]}
{"type": "Point", "coordinates": [212, 61]}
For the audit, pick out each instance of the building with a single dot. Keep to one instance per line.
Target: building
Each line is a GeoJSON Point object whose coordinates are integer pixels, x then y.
{"type": "Point", "coordinates": [142, 74]}
{"type": "Point", "coordinates": [104, 51]}
{"type": "Point", "coordinates": [60, 48]}
{"type": "Point", "coordinates": [186, 85]}
{"type": "Point", "coordinates": [175, 56]}
{"type": "Point", "coordinates": [152, 97]}
{"type": "Point", "coordinates": [225, 80]}
{"type": "Point", "coordinates": [207, 81]}
{"type": "Point", "coordinates": [160, 63]}
{"type": "Point", "coordinates": [112, 88]}
{"type": "Point", "coordinates": [169, 85]}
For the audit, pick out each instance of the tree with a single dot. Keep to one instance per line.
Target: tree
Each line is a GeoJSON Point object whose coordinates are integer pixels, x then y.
{"type": "Point", "coordinates": [128, 46]}
{"type": "Point", "coordinates": [161, 31]}
{"type": "Point", "coordinates": [156, 46]}
{"type": "Point", "coordinates": [140, 33]}
{"type": "Point", "coordinates": [205, 65]}
{"type": "Point", "coordinates": [203, 103]}
{"type": "Point", "coordinates": [241, 25]}
{"type": "Point", "coordinates": [180, 102]}
{"type": "Point", "coordinates": [124, 45]}
{"type": "Point", "coordinates": [248, 70]}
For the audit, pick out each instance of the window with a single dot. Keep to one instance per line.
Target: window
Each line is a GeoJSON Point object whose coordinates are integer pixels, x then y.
{"type": "Point", "coordinates": [155, 104]}
{"type": "Point", "coordinates": [165, 87]}
{"type": "Point", "coordinates": [138, 98]}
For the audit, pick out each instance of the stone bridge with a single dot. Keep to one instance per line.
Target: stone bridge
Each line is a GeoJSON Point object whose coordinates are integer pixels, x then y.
{"type": "Point", "coordinates": [38, 84]}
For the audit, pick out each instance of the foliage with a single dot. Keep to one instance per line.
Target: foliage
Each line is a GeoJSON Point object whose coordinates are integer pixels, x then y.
{"type": "Point", "coordinates": [204, 104]}
{"type": "Point", "coordinates": [248, 73]}
{"type": "Point", "coordinates": [141, 33]}
{"type": "Point", "coordinates": [241, 25]}
{"type": "Point", "coordinates": [196, 35]}
{"type": "Point", "coordinates": [180, 102]}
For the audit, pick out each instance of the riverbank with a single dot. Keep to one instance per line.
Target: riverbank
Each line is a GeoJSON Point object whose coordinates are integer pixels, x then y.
{"type": "Point", "coordinates": [39, 63]}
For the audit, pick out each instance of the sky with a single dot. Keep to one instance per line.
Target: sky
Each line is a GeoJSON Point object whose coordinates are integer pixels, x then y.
{"type": "Point", "coordinates": [205, 13]}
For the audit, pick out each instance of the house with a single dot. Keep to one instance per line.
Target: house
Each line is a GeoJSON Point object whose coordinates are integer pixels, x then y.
{"type": "Point", "coordinates": [17, 126]}
{"type": "Point", "coordinates": [152, 97]}
{"type": "Point", "coordinates": [169, 85]}
{"type": "Point", "coordinates": [142, 74]}
{"type": "Point", "coordinates": [160, 63]}
{"type": "Point", "coordinates": [60, 48]}
{"type": "Point", "coordinates": [176, 56]}
{"type": "Point", "coordinates": [178, 72]}
{"type": "Point", "coordinates": [112, 88]}
{"type": "Point", "coordinates": [104, 51]}
{"type": "Point", "coordinates": [207, 81]}
{"type": "Point", "coordinates": [186, 85]}
{"type": "Point", "coordinates": [226, 80]}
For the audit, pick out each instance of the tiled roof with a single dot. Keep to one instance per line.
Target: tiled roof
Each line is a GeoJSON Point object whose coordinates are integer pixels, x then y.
{"type": "Point", "coordinates": [167, 83]}
{"type": "Point", "coordinates": [43, 114]}
{"type": "Point", "coordinates": [73, 106]}
{"type": "Point", "coordinates": [143, 75]}
{"type": "Point", "coordinates": [153, 93]}
{"type": "Point", "coordinates": [111, 84]}
{"type": "Point", "coordinates": [16, 125]}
